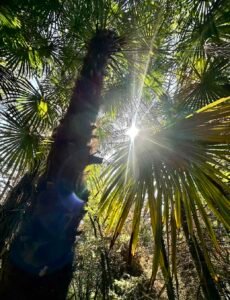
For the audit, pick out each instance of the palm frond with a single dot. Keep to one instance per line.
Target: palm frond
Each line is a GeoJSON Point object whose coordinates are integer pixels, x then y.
{"type": "Point", "coordinates": [180, 165]}
{"type": "Point", "coordinates": [206, 82]}
{"type": "Point", "coordinates": [20, 144]}
{"type": "Point", "coordinates": [8, 83]}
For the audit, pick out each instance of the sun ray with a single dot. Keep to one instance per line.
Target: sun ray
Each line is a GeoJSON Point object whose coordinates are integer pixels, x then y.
{"type": "Point", "coordinates": [146, 66]}
{"type": "Point", "coordinates": [133, 131]}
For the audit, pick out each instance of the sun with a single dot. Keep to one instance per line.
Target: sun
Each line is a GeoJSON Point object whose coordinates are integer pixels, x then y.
{"type": "Point", "coordinates": [132, 132]}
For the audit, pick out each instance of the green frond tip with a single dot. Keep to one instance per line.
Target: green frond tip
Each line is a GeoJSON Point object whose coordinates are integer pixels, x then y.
{"type": "Point", "coordinates": [42, 108]}
{"type": "Point", "coordinates": [210, 106]}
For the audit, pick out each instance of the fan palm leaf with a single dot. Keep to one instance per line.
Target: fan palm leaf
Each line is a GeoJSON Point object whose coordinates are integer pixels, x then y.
{"type": "Point", "coordinates": [29, 114]}
{"type": "Point", "coordinates": [19, 145]}
{"type": "Point", "coordinates": [28, 46]}
{"type": "Point", "coordinates": [181, 165]}
{"type": "Point", "coordinates": [207, 21]}
{"type": "Point", "coordinates": [206, 82]}
{"type": "Point", "coordinates": [8, 83]}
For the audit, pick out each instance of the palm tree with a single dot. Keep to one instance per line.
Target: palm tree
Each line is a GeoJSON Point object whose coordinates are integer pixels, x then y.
{"type": "Point", "coordinates": [178, 174]}
{"type": "Point", "coordinates": [68, 157]}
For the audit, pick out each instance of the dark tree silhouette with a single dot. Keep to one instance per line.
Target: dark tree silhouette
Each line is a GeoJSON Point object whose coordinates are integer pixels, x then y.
{"type": "Point", "coordinates": [39, 265]}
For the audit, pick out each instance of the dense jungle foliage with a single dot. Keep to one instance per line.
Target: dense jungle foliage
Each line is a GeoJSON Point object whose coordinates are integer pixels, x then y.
{"type": "Point", "coordinates": [157, 211]}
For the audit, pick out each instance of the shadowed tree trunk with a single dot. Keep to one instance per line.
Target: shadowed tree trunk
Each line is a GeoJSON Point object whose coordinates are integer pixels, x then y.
{"type": "Point", "coordinates": [13, 208]}
{"type": "Point", "coordinates": [39, 264]}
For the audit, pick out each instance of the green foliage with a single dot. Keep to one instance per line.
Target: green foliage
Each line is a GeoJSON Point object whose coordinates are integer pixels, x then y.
{"type": "Point", "coordinates": [182, 164]}
{"type": "Point", "coordinates": [173, 68]}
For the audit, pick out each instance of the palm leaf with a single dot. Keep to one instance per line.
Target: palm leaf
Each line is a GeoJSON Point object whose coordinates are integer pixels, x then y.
{"type": "Point", "coordinates": [184, 161]}
{"type": "Point", "coordinates": [8, 83]}
{"type": "Point", "coordinates": [20, 145]}
{"type": "Point", "coordinates": [207, 82]}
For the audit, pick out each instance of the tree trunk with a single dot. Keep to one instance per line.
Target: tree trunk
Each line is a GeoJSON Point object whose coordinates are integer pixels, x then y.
{"type": "Point", "coordinates": [13, 208]}
{"type": "Point", "coordinates": [39, 265]}
{"type": "Point", "coordinates": [206, 281]}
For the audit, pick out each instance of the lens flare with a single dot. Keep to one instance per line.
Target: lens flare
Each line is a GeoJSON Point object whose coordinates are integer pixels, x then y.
{"type": "Point", "coordinates": [132, 132]}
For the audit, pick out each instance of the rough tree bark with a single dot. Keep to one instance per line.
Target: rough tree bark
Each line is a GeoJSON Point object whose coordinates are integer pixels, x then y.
{"type": "Point", "coordinates": [39, 264]}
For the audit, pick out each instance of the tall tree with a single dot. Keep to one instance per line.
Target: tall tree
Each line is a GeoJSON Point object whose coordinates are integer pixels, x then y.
{"type": "Point", "coordinates": [54, 203]}
{"type": "Point", "coordinates": [167, 71]}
